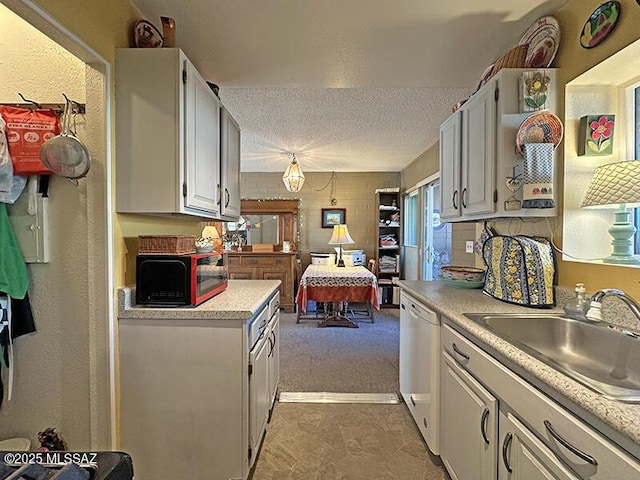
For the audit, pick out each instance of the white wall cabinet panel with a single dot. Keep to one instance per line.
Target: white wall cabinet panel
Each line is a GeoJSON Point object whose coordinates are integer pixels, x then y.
{"type": "Point", "coordinates": [478, 151]}
{"type": "Point", "coordinates": [202, 143]}
{"type": "Point", "coordinates": [450, 159]}
{"type": "Point", "coordinates": [230, 166]}
{"type": "Point", "coordinates": [168, 131]}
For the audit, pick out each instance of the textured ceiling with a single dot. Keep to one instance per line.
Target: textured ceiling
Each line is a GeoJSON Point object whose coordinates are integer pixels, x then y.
{"type": "Point", "coordinates": [347, 85]}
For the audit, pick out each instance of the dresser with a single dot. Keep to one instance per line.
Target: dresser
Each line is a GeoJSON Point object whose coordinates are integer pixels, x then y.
{"type": "Point", "coordinates": [267, 266]}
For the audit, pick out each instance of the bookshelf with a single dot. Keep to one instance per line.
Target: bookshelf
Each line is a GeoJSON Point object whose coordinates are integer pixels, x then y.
{"type": "Point", "coordinates": [387, 251]}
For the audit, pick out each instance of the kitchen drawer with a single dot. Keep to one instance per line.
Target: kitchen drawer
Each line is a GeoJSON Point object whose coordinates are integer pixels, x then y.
{"type": "Point", "coordinates": [234, 260]}
{"type": "Point", "coordinates": [578, 445]}
{"type": "Point", "coordinates": [264, 261]}
{"type": "Point", "coordinates": [274, 304]}
{"type": "Point", "coordinates": [258, 326]}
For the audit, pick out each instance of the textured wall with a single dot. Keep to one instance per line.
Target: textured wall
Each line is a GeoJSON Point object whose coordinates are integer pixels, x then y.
{"type": "Point", "coordinates": [353, 191]}
{"type": "Point", "coordinates": [62, 373]}
{"type": "Point", "coordinates": [573, 60]}
{"type": "Point", "coordinates": [422, 167]}
{"type": "Point", "coordinates": [52, 367]}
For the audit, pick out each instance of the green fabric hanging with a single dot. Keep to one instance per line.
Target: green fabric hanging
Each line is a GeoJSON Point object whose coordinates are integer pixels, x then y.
{"type": "Point", "coordinates": [14, 278]}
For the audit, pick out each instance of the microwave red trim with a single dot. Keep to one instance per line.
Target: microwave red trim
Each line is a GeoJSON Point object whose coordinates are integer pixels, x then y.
{"type": "Point", "coordinates": [180, 280]}
{"type": "Point", "coordinates": [195, 299]}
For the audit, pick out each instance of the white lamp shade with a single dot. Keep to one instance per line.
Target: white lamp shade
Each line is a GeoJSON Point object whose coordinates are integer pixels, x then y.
{"type": "Point", "coordinates": [614, 184]}
{"type": "Point", "coordinates": [340, 235]}
{"type": "Point", "coordinates": [293, 177]}
{"type": "Point", "coordinates": [210, 232]}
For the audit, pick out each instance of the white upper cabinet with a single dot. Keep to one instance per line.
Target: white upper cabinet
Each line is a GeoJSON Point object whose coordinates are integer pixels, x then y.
{"type": "Point", "coordinates": [450, 145]}
{"type": "Point", "coordinates": [230, 166]}
{"type": "Point", "coordinates": [478, 152]}
{"type": "Point", "coordinates": [168, 136]}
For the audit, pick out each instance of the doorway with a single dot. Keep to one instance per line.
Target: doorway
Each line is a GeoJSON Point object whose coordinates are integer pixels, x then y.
{"type": "Point", "coordinates": [426, 240]}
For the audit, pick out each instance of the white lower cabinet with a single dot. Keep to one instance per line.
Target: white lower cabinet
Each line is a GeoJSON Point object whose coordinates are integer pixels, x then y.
{"type": "Point", "coordinates": [274, 357]}
{"type": "Point", "coordinates": [524, 457]}
{"type": "Point", "coordinates": [259, 398]}
{"type": "Point", "coordinates": [538, 438]}
{"type": "Point", "coordinates": [469, 421]}
{"type": "Point", "coordinates": [195, 393]}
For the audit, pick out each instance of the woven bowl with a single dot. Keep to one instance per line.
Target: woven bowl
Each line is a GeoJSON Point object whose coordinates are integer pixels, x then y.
{"type": "Point", "coordinates": [462, 274]}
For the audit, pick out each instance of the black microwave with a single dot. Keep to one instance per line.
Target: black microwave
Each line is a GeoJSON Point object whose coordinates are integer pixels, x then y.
{"type": "Point", "coordinates": [180, 280]}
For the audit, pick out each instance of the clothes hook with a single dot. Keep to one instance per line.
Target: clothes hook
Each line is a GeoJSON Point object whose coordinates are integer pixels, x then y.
{"type": "Point", "coordinates": [36, 104]}
{"type": "Point", "coordinates": [73, 104]}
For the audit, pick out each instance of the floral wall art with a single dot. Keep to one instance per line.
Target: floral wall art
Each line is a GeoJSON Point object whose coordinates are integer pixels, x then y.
{"type": "Point", "coordinates": [534, 91]}
{"type": "Point", "coordinates": [596, 135]}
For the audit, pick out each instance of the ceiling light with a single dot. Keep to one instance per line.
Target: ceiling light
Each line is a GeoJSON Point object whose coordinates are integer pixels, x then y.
{"type": "Point", "coordinates": [293, 177]}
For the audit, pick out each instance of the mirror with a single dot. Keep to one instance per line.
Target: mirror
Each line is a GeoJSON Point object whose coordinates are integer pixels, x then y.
{"type": "Point", "coordinates": [255, 229]}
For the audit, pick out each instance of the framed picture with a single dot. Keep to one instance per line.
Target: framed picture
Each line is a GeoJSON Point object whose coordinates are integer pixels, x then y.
{"type": "Point", "coordinates": [333, 216]}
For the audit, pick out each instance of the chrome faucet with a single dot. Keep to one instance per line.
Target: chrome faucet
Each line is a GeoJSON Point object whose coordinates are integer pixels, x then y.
{"type": "Point", "coordinates": [595, 312]}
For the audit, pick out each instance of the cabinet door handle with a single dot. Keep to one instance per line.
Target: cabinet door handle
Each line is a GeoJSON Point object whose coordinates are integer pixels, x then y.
{"type": "Point", "coordinates": [578, 453]}
{"type": "Point", "coordinates": [463, 197]}
{"type": "Point", "coordinates": [508, 438]}
{"type": "Point", "coordinates": [413, 402]}
{"type": "Point", "coordinates": [424, 422]}
{"type": "Point", "coordinates": [219, 195]}
{"type": "Point", "coordinates": [227, 197]}
{"type": "Point", "coordinates": [483, 425]}
{"type": "Point", "coordinates": [272, 343]}
{"type": "Point", "coordinates": [455, 199]}
{"type": "Point", "coordinates": [462, 354]}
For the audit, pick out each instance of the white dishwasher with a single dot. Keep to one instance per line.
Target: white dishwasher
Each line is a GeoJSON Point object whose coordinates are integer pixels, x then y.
{"type": "Point", "coordinates": [420, 367]}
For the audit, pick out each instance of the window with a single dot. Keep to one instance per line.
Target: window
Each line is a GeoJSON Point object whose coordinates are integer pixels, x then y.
{"type": "Point", "coordinates": [411, 219]}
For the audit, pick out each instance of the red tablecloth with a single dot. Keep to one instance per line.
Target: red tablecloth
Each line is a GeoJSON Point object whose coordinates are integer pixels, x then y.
{"type": "Point", "coordinates": [324, 283]}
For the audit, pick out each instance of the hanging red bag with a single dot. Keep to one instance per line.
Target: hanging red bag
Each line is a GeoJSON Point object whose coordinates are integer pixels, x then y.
{"type": "Point", "coordinates": [26, 131]}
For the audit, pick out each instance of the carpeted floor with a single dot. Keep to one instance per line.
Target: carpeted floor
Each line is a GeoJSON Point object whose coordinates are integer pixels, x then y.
{"type": "Point", "coordinates": [338, 359]}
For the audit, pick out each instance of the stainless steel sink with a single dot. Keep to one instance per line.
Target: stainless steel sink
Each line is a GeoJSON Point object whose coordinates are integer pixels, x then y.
{"type": "Point", "coordinates": [601, 358]}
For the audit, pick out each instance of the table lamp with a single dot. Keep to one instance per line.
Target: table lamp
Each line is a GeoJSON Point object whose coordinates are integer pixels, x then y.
{"type": "Point", "coordinates": [617, 185]}
{"type": "Point", "coordinates": [340, 236]}
{"type": "Point", "coordinates": [211, 232]}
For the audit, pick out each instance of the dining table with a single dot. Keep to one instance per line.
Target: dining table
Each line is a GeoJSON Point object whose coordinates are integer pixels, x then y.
{"type": "Point", "coordinates": [338, 286]}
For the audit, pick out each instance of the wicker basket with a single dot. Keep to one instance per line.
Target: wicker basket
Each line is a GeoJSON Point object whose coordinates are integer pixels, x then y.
{"type": "Point", "coordinates": [514, 58]}
{"type": "Point", "coordinates": [166, 244]}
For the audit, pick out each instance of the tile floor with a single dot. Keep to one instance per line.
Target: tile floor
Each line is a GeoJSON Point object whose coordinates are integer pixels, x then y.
{"type": "Point", "coordinates": [343, 442]}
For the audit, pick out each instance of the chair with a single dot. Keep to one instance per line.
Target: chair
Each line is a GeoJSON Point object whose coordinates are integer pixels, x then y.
{"type": "Point", "coordinates": [362, 310]}
{"type": "Point", "coordinates": [321, 311]}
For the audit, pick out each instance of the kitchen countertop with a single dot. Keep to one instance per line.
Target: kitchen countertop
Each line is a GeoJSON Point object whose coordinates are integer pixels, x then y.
{"type": "Point", "coordinates": [240, 301]}
{"type": "Point", "coordinates": [616, 420]}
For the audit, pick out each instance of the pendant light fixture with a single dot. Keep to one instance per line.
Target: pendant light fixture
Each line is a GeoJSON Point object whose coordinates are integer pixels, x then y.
{"type": "Point", "coordinates": [293, 177]}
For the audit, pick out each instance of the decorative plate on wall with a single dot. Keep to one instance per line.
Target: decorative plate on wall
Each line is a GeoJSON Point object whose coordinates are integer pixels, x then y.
{"type": "Point", "coordinates": [543, 38]}
{"type": "Point", "coordinates": [146, 35]}
{"type": "Point", "coordinates": [543, 127]}
{"type": "Point", "coordinates": [600, 24]}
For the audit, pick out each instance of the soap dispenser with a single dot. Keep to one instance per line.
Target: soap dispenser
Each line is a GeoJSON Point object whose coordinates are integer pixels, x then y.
{"type": "Point", "coordinates": [578, 306]}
